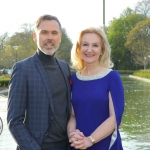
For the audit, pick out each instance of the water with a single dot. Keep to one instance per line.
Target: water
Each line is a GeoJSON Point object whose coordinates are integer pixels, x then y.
{"type": "Point", "coordinates": [135, 130]}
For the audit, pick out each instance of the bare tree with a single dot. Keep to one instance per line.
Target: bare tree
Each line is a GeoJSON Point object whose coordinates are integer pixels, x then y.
{"type": "Point", "coordinates": [3, 41]}
{"type": "Point", "coordinates": [143, 7]}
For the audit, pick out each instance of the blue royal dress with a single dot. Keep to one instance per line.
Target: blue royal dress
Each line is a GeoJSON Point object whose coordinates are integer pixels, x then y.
{"type": "Point", "coordinates": [91, 105]}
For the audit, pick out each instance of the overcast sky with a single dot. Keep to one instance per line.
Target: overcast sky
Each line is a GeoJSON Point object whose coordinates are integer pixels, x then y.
{"type": "Point", "coordinates": [74, 15]}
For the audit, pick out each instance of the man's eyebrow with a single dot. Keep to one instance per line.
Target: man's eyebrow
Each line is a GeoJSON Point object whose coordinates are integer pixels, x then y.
{"type": "Point", "coordinates": [48, 31]}
{"type": "Point", "coordinates": [42, 30]}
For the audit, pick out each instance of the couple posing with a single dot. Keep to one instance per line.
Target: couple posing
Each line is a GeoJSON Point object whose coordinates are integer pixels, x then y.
{"type": "Point", "coordinates": [42, 114]}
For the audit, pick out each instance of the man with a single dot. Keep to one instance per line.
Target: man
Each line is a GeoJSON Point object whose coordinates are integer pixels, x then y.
{"type": "Point", "coordinates": [39, 93]}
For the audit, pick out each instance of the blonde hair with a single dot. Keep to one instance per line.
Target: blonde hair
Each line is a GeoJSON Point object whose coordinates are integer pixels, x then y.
{"type": "Point", "coordinates": [105, 60]}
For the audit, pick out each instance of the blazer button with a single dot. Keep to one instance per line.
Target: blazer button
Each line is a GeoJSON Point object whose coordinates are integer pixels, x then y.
{"type": "Point", "coordinates": [52, 118]}
{"type": "Point", "coordinates": [46, 133]}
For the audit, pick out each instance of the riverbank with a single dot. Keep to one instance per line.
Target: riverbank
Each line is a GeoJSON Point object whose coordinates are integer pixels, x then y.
{"type": "Point", "coordinates": [140, 78]}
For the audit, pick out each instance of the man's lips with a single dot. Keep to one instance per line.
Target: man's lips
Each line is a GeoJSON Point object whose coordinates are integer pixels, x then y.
{"type": "Point", "coordinates": [49, 44]}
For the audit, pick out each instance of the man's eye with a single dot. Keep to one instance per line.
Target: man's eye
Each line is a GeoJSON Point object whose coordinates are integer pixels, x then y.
{"type": "Point", "coordinates": [55, 32]}
{"type": "Point", "coordinates": [44, 32]}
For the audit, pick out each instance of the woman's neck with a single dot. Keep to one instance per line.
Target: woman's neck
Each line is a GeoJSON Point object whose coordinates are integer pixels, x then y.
{"type": "Point", "coordinates": [93, 70]}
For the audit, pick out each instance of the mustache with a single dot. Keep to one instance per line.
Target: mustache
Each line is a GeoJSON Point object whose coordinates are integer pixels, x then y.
{"type": "Point", "coordinates": [49, 42]}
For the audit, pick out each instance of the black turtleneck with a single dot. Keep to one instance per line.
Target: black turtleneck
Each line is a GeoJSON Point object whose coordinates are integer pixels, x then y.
{"type": "Point", "coordinates": [47, 59]}
{"type": "Point", "coordinates": [57, 135]}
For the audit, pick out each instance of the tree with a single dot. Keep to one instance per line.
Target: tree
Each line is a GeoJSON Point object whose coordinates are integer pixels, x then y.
{"type": "Point", "coordinates": [117, 34]}
{"type": "Point", "coordinates": [6, 57]}
{"type": "Point", "coordinates": [64, 50]}
{"type": "Point", "coordinates": [127, 12]}
{"type": "Point", "coordinates": [138, 42]}
{"type": "Point", "coordinates": [143, 7]}
{"type": "Point", "coordinates": [3, 39]}
{"type": "Point", "coordinates": [27, 47]}
{"type": "Point", "coordinates": [24, 40]}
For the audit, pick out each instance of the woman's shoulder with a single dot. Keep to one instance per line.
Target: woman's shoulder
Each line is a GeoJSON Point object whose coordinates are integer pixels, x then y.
{"type": "Point", "coordinates": [114, 77]}
{"type": "Point", "coordinates": [114, 73]}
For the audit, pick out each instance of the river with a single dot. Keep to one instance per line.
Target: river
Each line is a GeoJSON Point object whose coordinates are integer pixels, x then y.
{"type": "Point", "coordinates": [135, 130]}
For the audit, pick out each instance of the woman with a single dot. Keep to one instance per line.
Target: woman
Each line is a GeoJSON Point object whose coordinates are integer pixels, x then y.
{"type": "Point", "coordinates": [97, 95]}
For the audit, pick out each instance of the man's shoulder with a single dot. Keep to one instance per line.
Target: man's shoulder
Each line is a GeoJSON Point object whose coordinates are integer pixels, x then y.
{"type": "Point", "coordinates": [27, 63]}
{"type": "Point", "coordinates": [27, 60]}
{"type": "Point", "coordinates": [61, 61]}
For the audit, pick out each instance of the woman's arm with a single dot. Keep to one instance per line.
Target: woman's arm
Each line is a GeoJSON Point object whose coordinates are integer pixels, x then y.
{"type": "Point", "coordinates": [72, 123]}
{"type": "Point", "coordinates": [75, 136]}
{"type": "Point", "coordinates": [103, 130]}
{"type": "Point", "coordinates": [108, 126]}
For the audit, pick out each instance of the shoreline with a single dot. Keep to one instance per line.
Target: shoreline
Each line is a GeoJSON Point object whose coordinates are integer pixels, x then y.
{"type": "Point", "coordinates": [139, 78]}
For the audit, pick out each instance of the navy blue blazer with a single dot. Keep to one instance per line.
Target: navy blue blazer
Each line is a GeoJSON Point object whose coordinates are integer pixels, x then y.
{"type": "Point", "coordinates": [29, 100]}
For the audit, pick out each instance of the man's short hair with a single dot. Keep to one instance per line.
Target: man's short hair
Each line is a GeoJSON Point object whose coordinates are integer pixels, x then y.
{"type": "Point", "coordinates": [46, 17]}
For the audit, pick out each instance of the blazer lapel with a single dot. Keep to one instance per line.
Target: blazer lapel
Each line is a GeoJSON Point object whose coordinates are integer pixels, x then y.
{"type": "Point", "coordinates": [44, 77]}
{"type": "Point", "coordinates": [66, 74]}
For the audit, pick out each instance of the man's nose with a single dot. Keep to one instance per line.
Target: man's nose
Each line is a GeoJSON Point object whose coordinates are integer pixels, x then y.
{"type": "Point", "coordinates": [50, 36]}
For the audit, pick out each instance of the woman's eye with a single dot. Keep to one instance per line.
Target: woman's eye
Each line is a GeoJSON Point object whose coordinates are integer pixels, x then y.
{"type": "Point", "coordinates": [95, 45]}
{"type": "Point", "coordinates": [84, 44]}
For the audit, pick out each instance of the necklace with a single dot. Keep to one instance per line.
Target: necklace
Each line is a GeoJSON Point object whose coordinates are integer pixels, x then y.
{"type": "Point", "coordinates": [93, 77]}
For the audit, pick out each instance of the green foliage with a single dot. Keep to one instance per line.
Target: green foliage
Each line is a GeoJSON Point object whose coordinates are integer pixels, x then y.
{"type": "Point", "coordinates": [24, 40]}
{"type": "Point", "coordinates": [63, 53]}
{"type": "Point", "coordinates": [117, 34]}
{"type": "Point", "coordinates": [4, 80]}
{"type": "Point", "coordinates": [139, 35]}
{"type": "Point", "coordinates": [142, 73]}
{"type": "Point", "coordinates": [27, 47]}
{"type": "Point", "coordinates": [138, 41]}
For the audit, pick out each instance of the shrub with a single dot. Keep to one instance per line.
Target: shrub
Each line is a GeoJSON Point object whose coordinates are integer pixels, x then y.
{"type": "Point", "coordinates": [126, 71]}
{"type": "Point", "coordinates": [4, 80]}
{"type": "Point", "coordinates": [142, 73]}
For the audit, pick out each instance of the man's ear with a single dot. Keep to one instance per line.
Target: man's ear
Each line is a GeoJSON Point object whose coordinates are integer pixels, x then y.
{"type": "Point", "coordinates": [34, 37]}
{"type": "Point", "coordinates": [60, 37]}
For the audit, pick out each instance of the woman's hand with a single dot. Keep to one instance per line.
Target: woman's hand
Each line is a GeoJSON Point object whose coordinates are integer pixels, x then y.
{"type": "Point", "coordinates": [76, 139]}
{"type": "Point", "coordinates": [79, 141]}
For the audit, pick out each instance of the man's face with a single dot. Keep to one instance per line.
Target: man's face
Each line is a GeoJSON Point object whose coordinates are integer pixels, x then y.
{"type": "Point", "coordinates": [48, 36]}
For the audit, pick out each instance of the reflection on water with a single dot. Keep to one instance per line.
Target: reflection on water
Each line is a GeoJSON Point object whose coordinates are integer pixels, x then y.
{"type": "Point", "coordinates": [6, 140]}
{"type": "Point", "coordinates": [136, 120]}
{"type": "Point", "coordinates": [135, 131]}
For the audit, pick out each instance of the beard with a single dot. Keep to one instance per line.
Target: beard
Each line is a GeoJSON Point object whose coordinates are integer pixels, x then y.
{"type": "Point", "coordinates": [49, 47]}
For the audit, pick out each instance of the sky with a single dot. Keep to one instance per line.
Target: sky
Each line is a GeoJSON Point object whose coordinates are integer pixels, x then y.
{"type": "Point", "coordinates": [74, 15]}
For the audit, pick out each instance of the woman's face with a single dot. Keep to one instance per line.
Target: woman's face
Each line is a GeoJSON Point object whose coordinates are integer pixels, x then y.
{"type": "Point", "coordinates": [90, 49]}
